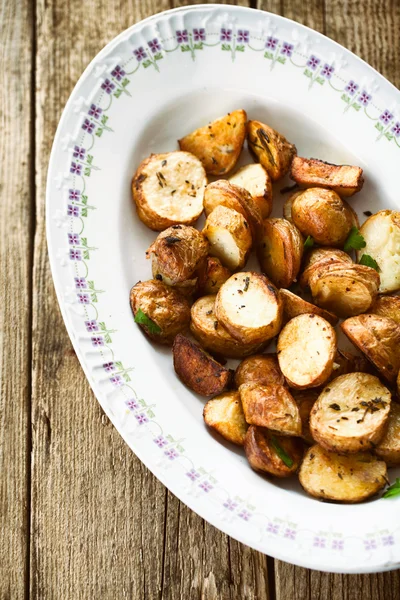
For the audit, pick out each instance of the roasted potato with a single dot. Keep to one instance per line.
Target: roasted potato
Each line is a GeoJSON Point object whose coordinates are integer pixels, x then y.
{"type": "Point", "coordinates": [224, 414]}
{"type": "Point", "coordinates": [398, 383]}
{"type": "Point", "coordinates": [332, 476]}
{"type": "Point", "coordinates": [306, 351]}
{"type": "Point", "coordinates": [389, 447]}
{"type": "Point", "coordinates": [319, 256]}
{"type": "Point", "coordinates": [168, 189]}
{"type": "Point", "coordinates": [305, 400]}
{"type": "Point", "coordinates": [211, 276]}
{"type": "Point", "coordinates": [346, 362]}
{"type": "Point", "coordinates": [273, 454]}
{"type": "Point", "coordinates": [262, 369]}
{"type": "Point", "coordinates": [230, 237]}
{"type": "Point", "coordinates": [249, 307]}
{"type": "Point", "coordinates": [270, 148]}
{"type": "Point", "coordinates": [280, 250]}
{"type": "Point", "coordinates": [212, 335]}
{"type": "Point", "coordinates": [379, 339]}
{"type": "Point", "coordinates": [287, 207]}
{"type": "Point", "coordinates": [197, 369]}
{"type": "Point", "coordinates": [294, 305]}
{"type": "Point", "coordinates": [255, 179]}
{"type": "Point", "coordinates": [271, 406]}
{"type": "Point", "coordinates": [342, 179]}
{"type": "Point", "coordinates": [323, 215]}
{"type": "Point", "coordinates": [351, 413]}
{"type": "Point", "coordinates": [159, 310]}
{"type": "Point", "coordinates": [219, 144]}
{"type": "Point", "coordinates": [387, 306]}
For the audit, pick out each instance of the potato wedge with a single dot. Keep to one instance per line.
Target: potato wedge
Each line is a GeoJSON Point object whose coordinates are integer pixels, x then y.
{"type": "Point", "coordinates": [273, 454]}
{"type": "Point", "coordinates": [381, 233]}
{"type": "Point", "coordinates": [159, 310]}
{"type": "Point", "coordinates": [387, 306]}
{"type": "Point", "coordinates": [224, 414]}
{"type": "Point", "coordinates": [306, 351]}
{"type": "Point", "coordinates": [294, 305]}
{"type": "Point", "coordinates": [323, 215]}
{"type": "Point", "coordinates": [177, 253]}
{"type": "Point", "coordinates": [287, 207]}
{"type": "Point", "coordinates": [332, 476]}
{"type": "Point", "coordinates": [262, 369]}
{"type": "Point", "coordinates": [389, 447]}
{"type": "Point", "coordinates": [230, 237]}
{"type": "Point", "coordinates": [255, 179]}
{"type": "Point", "coordinates": [168, 189]}
{"type": "Point", "coordinates": [249, 307]}
{"type": "Point", "coordinates": [211, 276]}
{"type": "Point", "coordinates": [305, 400]}
{"type": "Point", "coordinates": [219, 144]}
{"type": "Point", "coordinates": [271, 406]}
{"type": "Point", "coordinates": [280, 250]}
{"type": "Point", "coordinates": [345, 180]}
{"type": "Point", "coordinates": [319, 256]}
{"type": "Point", "coordinates": [379, 339]}
{"type": "Point", "coordinates": [212, 335]}
{"type": "Point", "coordinates": [350, 414]}
{"type": "Point", "coordinates": [270, 148]}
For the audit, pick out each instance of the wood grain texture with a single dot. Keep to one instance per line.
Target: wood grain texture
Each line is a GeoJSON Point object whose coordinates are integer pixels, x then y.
{"type": "Point", "coordinates": [16, 217]}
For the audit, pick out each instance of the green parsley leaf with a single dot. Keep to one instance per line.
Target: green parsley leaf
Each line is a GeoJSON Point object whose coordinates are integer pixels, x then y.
{"type": "Point", "coordinates": [368, 261]}
{"type": "Point", "coordinates": [355, 240]}
{"type": "Point", "coordinates": [285, 458]}
{"type": "Point", "coordinates": [143, 319]}
{"type": "Point", "coordinates": [393, 490]}
{"type": "Point", "coordinates": [309, 243]}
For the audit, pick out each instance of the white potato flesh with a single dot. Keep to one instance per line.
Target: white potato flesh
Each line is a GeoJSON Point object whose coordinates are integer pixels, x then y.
{"type": "Point", "coordinates": [224, 413]}
{"type": "Point", "coordinates": [229, 236]}
{"type": "Point", "coordinates": [224, 247]}
{"type": "Point", "coordinates": [255, 179]}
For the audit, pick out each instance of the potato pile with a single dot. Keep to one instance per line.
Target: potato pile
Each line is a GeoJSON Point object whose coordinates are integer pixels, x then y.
{"type": "Point", "coordinates": [310, 407]}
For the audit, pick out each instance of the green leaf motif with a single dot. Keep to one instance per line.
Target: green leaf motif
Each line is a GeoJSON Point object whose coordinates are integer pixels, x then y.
{"type": "Point", "coordinates": [393, 490]}
{"type": "Point", "coordinates": [389, 136]}
{"type": "Point", "coordinates": [84, 199]}
{"type": "Point", "coordinates": [185, 48]}
{"type": "Point", "coordinates": [320, 80]}
{"type": "Point", "coordinates": [93, 298]}
{"type": "Point", "coordinates": [104, 119]}
{"type": "Point", "coordinates": [355, 240]}
{"type": "Point", "coordinates": [117, 93]}
{"type": "Point", "coordinates": [87, 172]}
{"type": "Point", "coordinates": [268, 55]}
{"type": "Point", "coordinates": [143, 319]}
{"type": "Point", "coordinates": [180, 448]}
{"type": "Point", "coordinates": [84, 212]}
{"type": "Point", "coordinates": [346, 98]}
{"type": "Point", "coordinates": [108, 338]}
{"type": "Point", "coordinates": [84, 241]}
{"type": "Point", "coordinates": [150, 414]}
{"type": "Point", "coordinates": [142, 403]}
{"type": "Point", "coordinates": [118, 364]}
{"type": "Point", "coordinates": [226, 47]}
{"type": "Point", "coordinates": [281, 59]}
{"type": "Point", "coordinates": [158, 56]}
{"type": "Point", "coordinates": [102, 326]}
{"type": "Point", "coordinates": [91, 285]}
{"type": "Point", "coordinates": [126, 377]}
{"type": "Point", "coordinates": [86, 254]}
{"type": "Point", "coordinates": [90, 158]}
{"type": "Point", "coordinates": [356, 106]}
{"type": "Point", "coordinates": [125, 82]}
{"type": "Point", "coordinates": [240, 48]}
{"type": "Point", "coordinates": [147, 63]}
{"type": "Point", "coordinates": [379, 126]}
{"type": "Point", "coordinates": [99, 132]}
{"type": "Point", "coordinates": [198, 46]}
{"type": "Point", "coordinates": [308, 73]}
{"type": "Point", "coordinates": [368, 261]}
{"type": "Point", "coordinates": [169, 438]}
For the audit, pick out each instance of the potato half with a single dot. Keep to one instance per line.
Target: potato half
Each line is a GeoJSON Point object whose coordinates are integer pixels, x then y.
{"type": "Point", "coordinates": [249, 307]}
{"type": "Point", "coordinates": [270, 148]}
{"type": "Point", "coordinates": [294, 305]}
{"type": "Point", "coordinates": [287, 207]}
{"type": "Point", "coordinates": [389, 447]}
{"type": "Point", "coordinates": [280, 250]}
{"type": "Point", "coordinates": [345, 180]}
{"type": "Point", "coordinates": [271, 406]}
{"type": "Point", "coordinates": [224, 414]}
{"type": "Point", "coordinates": [351, 413]}
{"type": "Point", "coordinates": [306, 351]}
{"type": "Point", "coordinates": [168, 189]}
{"type": "Point", "coordinates": [160, 310]}
{"type": "Point", "coordinates": [305, 400]}
{"type": "Point", "coordinates": [219, 144]}
{"type": "Point", "coordinates": [255, 179]}
{"type": "Point", "coordinates": [350, 479]}
{"type": "Point", "coordinates": [381, 233]}
{"type": "Point", "coordinates": [230, 237]}
{"type": "Point", "coordinates": [211, 276]}
{"type": "Point", "coordinates": [262, 369]}
{"type": "Point", "coordinates": [319, 256]}
{"type": "Point", "coordinates": [387, 306]}
{"type": "Point", "coordinates": [273, 454]}
{"type": "Point", "coordinates": [379, 339]}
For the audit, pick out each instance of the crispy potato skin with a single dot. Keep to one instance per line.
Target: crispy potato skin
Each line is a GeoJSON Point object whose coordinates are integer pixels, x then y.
{"type": "Point", "coordinates": [294, 305]}
{"type": "Point", "coordinates": [262, 456]}
{"type": "Point", "coordinates": [219, 144]}
{"type": "Point", "coordinates": [168, 189]}
{"type": "Point", "coordinates": [224, 414]}
{"type": "Point", "coordinates": [305, 400]}
{"type": "Point", "coordinates": [280, 250]}
{"type": "Point", "coordinates": [351, 413]}
{"type": "Point", "coordinates": [345, 180]}
{"type": "Point", "coordinates": [317, 258]}
{"type": "Point", "coordinates": [379, 339]}
{"type": "Point", "coordinates": [270, 148]}
{"type": "Point", "coordinates": [306, 351]}
{"type": "Point", "coordinates": [287, 207]}
{"type": "Point", "coordinates": [211, 276]}
{"type": "Point", "coordinates": [197, 370]}
{"type": "Point", "coordinates": [349, 479]}
{"type": "Point", "coordinates": [398, 384]}
{"type": "Point", "coordinates": [387, 306]}
{"type": "Point", "coordinates": [164, 306]}
{"type": "Point", "coordinates": [255, 179]}
{"type": "Point", "coordinates": [389, 447]}
{"type": "Point", "coordinates": [230, 237]}
{"type": "Point", "coordinates": [261, 369]}
{"type": "Point", "coordinates": [346, 362]}
{"type": "Point", "coordinates": [271, 406]}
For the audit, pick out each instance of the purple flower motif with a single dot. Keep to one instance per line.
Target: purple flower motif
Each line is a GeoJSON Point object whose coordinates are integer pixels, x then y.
{"type": "Point", "coordinates": [193, 475]}
{"type": "Point", "coordinates": [199, 35]}
{"type": "Point", "coordinates": [75, 254]}
{"type": "Point", "coordinates": [245, 515]}
{"type": "Point", "coordinates": [271, 43]}
{"type": "Point", "coordinates": [319, 542]}
{"type": "Point", "coordinates": [88, 126]}
{"type": "Point", "coordinates": [116, 380]}
{"type": "Point", "coordinates": [83, 299]}
{"type": "Point", "coordinates": [91, 326]}
{"type": "Point", "coordinates": [95, 111]}
{"type": "Point", "coordinates": [154, 45]}
{"type": "Point", "coordinates": [74, 194]}
{"type": "Point", "coordinates": [337, 545]}
{"type": "Point", "coordinates": [370, 544]}
{"type": "Point", "coordinates": [273, 528]}
{"type": "Point", "coordinates": [388, 540]}
{"type": "Point", "coordinates": [73, 211]}
{"type": "Point", "coordinates": [160, 441]}
{"type": "Point", "coordinates": [205, 486]}
{"type": "Point", "coordinates": [73, 238]}
{"type": "Point", "coordinates": [351, 87]}
{"type": "Point", "coordinates": [287, 49]}
{"type": "Point", "coordinates": [118, 73]}
{"type": "Point", "coordinates": [396, 129]}
{"type": "Point", "coordinates": [313, 62]}
{"type": "Point", "coordinates": [171, 453]}
{"type": "Point", "coordinates": [97, 341]}
{"type": "Point", "coordinates": [141, 419]}
{"type": "Point", "coordinates": [79, 152]}
{"type": "Point", "coordinates": [109, 367]}
{"type": "Point", "coordinates": [132, 404]}
{"type": "Point", "coordinates": [243, 36]}
{"type": "Point", "coordinates": [80, 283]}
{"type": "Point", "coordinates": [230, 504]}
{"type": "Point", "coordinates": [386, 117]}
{"type": "Point", "coordinates": [75, 168]}
{"type": "Point", "coordinates": [108, 86]}
{"type": "Point", "coordinates": [364, 98]}
{"type": "Point", "coordinates": [290, 534]}
{"type": "Point", "coordinates": [140, 53]}
{"type": "Point", "coordinates": [226, 35]}
{"type": "Point", "coordinates": [327, 71]}
{"type": "Point", "coordinates": [181, 36]}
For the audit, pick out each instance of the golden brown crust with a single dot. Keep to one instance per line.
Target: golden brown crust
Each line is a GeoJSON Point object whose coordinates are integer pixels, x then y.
{"type": "Point", "coordinates": [211, 276]}
{"type": "Point", "coordinates": [262, 369]}
{"type": "Point", "coordinates": [225, 415]}
{"type": "Point", "coordinates": [345, 180]}
{"type": "Point", "coordinates": [387, 306]}
{"type": "Point", "coordinates": [271, 406]}
{"type": "Point", "coordinates": [260, 448]}
{"type": "Point", "coordinates": [346, 362]}
{"type": "Point", "coordinates": [305, 400]}
{"type": "Point", "coordinates": [270, 148]}
{"type": "Point", "coordinates": [229, 235]}
{"type": "Point", "coordinates": [389, 447]}
{"type": "Point", "coordinates": [255, 179]}
{"type": "Point", "coordinates": [280, 250]}
{"type": "Point", "coordinates": [287, 207]}
{"type": "Point", "coordinates": [294, 305]}
{"type": "Point", "coordinates": [315, 258]}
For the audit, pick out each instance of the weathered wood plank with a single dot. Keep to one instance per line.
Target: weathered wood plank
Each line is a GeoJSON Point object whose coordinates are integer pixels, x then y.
{"type": "Point", "coordinates": [16, 235]}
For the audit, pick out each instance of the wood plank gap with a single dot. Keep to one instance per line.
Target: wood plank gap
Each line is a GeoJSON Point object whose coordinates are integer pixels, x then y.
{"type": "Point", "coordinates": [164, 542]}
{"type": "Point", "coordinates": [271, 578]}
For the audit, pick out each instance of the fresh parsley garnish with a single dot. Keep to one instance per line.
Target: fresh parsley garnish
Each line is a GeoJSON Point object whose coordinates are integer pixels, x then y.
{"type": "Point", "coordinates": [393, 490]}
{"type": "Point", "coordinates": [143, 319]}
{"type": "Point", "coordinates": [309, 243]}
{"type": "Point", "coordinates": [355, 240]}
{"type": "Point", "coordinates": [285, 458]}
{"type": "Point", "coordinates": [368, 261]}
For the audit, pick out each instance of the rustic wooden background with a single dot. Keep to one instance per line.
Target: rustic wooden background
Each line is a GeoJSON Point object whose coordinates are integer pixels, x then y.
{"type": "Point", "coordinates": [80, 516]}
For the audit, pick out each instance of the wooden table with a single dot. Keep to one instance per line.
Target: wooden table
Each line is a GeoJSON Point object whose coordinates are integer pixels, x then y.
{"type": "Point", "coordinates": [80, 516]}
